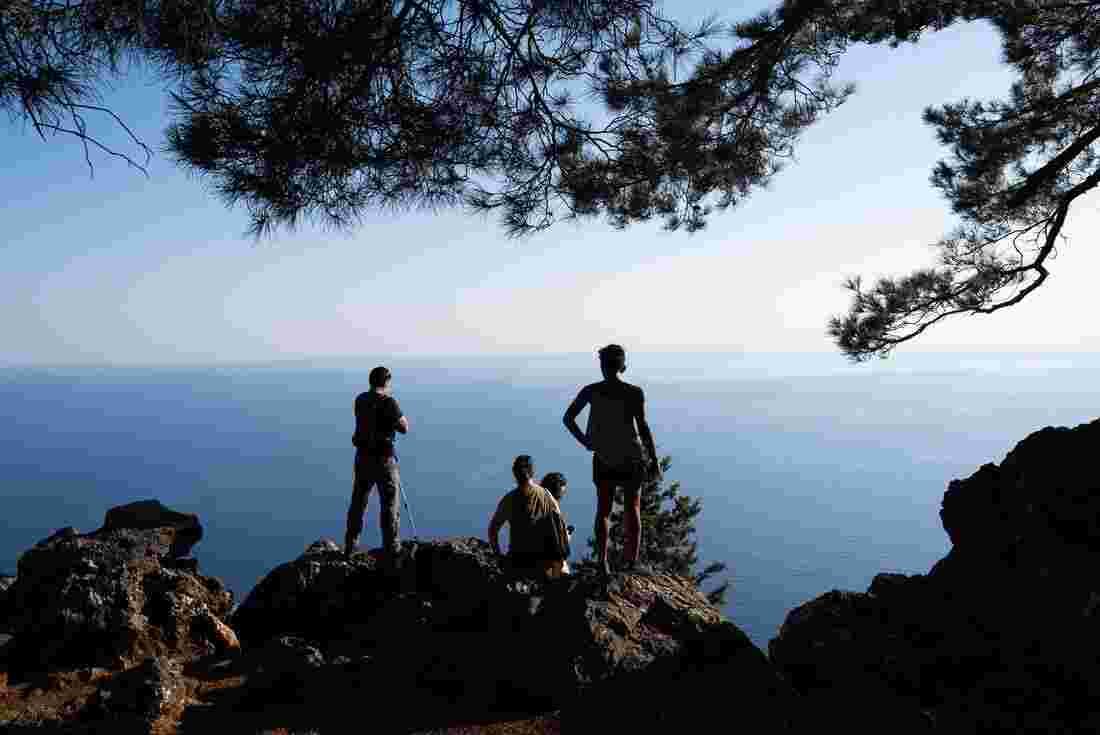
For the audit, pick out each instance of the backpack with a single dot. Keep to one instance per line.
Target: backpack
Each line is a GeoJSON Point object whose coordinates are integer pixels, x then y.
{"type": "Point", "coordinates": [375, 436]}
{"type": "Point", "coordinates": [552, 527]}
{"type": "Point", "coordinates": [546, 537]}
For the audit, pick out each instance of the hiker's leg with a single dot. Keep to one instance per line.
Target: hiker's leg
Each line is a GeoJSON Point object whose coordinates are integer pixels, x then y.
{"type": "Point", "coordinates": [632, 520]}
{"type": "Point", "coordinates": [389, 486]}
{"type": "Point", "coordinates": [359, 489]}
{"type": "Point", "coordinates": [605, 498]}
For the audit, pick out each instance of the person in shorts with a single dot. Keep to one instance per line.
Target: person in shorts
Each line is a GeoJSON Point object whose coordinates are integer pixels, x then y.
{"type": "Point", "coordinates": [378, 418]}
{"type": "Point", "coordinates": [623, 453]}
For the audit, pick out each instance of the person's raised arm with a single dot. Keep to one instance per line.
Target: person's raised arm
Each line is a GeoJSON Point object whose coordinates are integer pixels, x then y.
{"type": "Point", "coordinates": [647, 437]}
{"type": "Point", "coordinates": [570, 418]}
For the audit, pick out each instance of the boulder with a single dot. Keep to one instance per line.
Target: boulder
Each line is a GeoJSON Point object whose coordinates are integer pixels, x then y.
{"type": "Point", "coordinates": [999, 636]}
{"type": "Point", "coordinates": [659, 658]}
{"type": "Point", "coordinates": [137, 700]}
{"type": "Point", "coordinates": [281, 668]}
{"type": "Point", "coordinates": [179, 531]}
{"type": "Point", "coordinates": [454, 631]}
{"type": "Point", "coordinates": [321, 591]}
{"type": "Point", "coordinates": [115, 596]}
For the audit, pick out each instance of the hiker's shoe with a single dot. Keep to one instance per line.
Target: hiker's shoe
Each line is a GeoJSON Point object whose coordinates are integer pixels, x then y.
{"type": "Point", "coordinates": [349, 549]}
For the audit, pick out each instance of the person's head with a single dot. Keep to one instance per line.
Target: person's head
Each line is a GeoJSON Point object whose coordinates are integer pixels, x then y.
{"type": "Point", "coordinates": [380, 378]}
{"type": "Point", "coordinates": [555, 483]}
{"type": "Point", "coordinates": [523, 469]}
{"type": "Point", "coordinates": [612, 361]}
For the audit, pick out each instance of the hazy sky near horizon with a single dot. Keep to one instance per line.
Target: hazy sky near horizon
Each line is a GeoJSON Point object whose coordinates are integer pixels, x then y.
{"type": "Point", "coordinates": [124, 269]}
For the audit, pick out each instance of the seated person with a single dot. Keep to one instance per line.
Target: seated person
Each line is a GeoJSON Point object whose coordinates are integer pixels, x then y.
{"type": "Point", "coordinates": [556, 483]}
{"type": "Point", "coordinates": [522, 509]}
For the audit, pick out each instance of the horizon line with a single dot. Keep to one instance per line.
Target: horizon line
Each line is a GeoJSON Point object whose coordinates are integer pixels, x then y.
{"type": "Point", "coordinates": [371, 357]}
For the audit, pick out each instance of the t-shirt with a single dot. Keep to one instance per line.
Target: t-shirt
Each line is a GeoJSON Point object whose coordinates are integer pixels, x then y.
{"type": "Point", "coordinates": [376, 418]}
{"type": "Point", "coordinates": [612, 406]}
{"type": "Point", "coordinates": [524, 541]}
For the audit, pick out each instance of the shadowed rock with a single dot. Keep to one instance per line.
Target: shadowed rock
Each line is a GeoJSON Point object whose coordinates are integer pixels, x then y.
{"type": "Point", "coordinates": [453, 635]}
{"type": "Point", "coordinates": [179, 531]}
{"type": "Point", "coordinates": [134, 701]}
{"type": "Point", "coordinates": [116, 595]}
{"type": "Point", "coordinates": [5, 585]}
{"type": "Point", "coordinates": [999, 636]}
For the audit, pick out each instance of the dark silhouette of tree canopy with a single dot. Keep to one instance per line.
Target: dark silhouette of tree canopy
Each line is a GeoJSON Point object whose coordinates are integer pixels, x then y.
{"type": "Point", "coordinates": [322, 109]}
{"type": "Point", "coordinates": [328, 108]}
{"type": "Point", "coordinates": [668, 536]}
{"type": "Point", "coordinates": [57, 57]}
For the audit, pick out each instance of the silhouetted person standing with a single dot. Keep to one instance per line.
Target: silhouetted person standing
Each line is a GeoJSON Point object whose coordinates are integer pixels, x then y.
{"type": "Point", "coordinates": [378, 418]}
{"type": "Point", "coordinates": [619, 439]}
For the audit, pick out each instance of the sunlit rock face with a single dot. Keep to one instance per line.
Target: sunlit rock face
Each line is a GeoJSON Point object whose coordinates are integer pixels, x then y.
{"type": "Point", "coordinates": [116, 595]}
{"type": "Point", "coordinates": [1001, 634]}
{"type": "Point", "coordinates": [451, 633]}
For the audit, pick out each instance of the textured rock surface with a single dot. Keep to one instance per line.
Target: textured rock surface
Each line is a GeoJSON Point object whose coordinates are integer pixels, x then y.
{"type": "Point", "coordinates": [138, 699]}
{"type": "Point", "coordinates": [320, 591]}
{"type": "Point", "coordinates": [5, 585]}
{"type": "Point", "coordinates": [460, 634]}
{"type": "Point", "coordinates": [1000, 635]}
{"type": "Point", "coordinates": [116, 595]}
{"type": "Point", "coordinates": [179, 531]}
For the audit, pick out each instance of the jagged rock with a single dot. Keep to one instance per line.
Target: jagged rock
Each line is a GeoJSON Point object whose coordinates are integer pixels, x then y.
{"type": "Point", "coordinates": [289, 653]}
{"type": "Point", "coordinates": [206, 626]}
{"type": "Point", "coordinates": [459, 632]}
{"type": "Point", "coordinates": [115, 596]}
{"type": "Point", "coordinates": [134, 700]}
{"type": "Point", "coordinates": [999, 636]}
{"type": "Point", "coordinates": [281, 668]}
{"type": "Point", "coordinates": [321, 590]}
{"type": "Point", "coordinates": [7, 643]}
{"type": "Point", "coordinates": [660, 658]}
{"type": "Point", "coordinates": [5, 585]}
{"type": "Point", "coordinates": [180, 531]}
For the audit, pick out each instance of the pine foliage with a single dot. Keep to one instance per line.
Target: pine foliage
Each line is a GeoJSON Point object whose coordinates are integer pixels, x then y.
{"type": "Point", "coordinates": [324, 109]}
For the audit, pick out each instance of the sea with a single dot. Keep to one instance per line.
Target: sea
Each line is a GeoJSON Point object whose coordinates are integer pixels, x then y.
{"type": "Point", "coordinates": [814, 473]}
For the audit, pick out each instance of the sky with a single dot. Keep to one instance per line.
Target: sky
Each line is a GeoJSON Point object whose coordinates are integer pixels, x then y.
{"type": "Point", "coordinates": [123, 269]}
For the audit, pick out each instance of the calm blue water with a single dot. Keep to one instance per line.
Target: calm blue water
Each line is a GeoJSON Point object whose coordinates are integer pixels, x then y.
{"type": "Point", "coordinates": [814, 474]}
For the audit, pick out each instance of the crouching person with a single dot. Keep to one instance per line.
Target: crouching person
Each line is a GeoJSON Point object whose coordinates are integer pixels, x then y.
{"type": "Point", "coordinates": [538, 542]}
{"type": "Point", "coordinates": [555, 483]}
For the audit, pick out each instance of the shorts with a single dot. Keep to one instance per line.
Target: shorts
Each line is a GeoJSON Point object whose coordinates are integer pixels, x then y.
{"type": "Point", "coordinates": [629, 475]}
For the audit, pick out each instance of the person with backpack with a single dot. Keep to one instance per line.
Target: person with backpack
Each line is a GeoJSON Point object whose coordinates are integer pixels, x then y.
{"type": "Point", "coordinates": [378, 418]}
{"type": "Point", "coordinates": [623, 452]}
{"type": "Point", "coordinates": [538, 543]}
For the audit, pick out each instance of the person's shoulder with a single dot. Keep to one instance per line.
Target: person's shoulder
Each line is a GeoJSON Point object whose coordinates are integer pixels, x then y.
{"type": "Point", "coordinates": [623, 388]}
{"type": "Point", "coordinates": [550, 495]}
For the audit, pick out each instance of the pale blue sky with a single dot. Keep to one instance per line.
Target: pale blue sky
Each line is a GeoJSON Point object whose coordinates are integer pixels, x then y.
{"type": "Point", "coordinates": [123, 269]}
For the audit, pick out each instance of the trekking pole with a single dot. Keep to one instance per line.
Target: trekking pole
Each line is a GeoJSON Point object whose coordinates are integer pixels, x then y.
{"type": "Point", "coordinates": [408, 511]}
{"type": "Point", "coordinates": [405, 500]}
